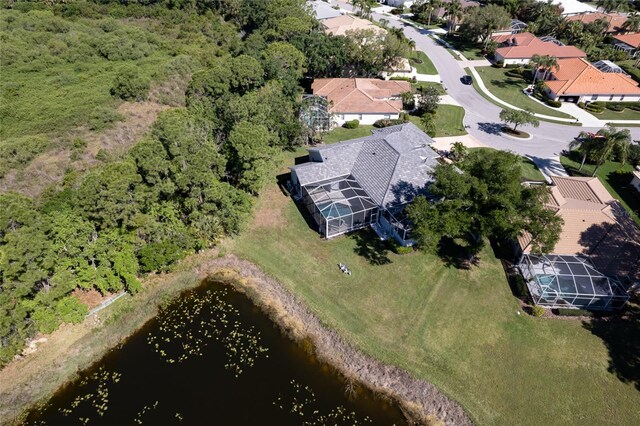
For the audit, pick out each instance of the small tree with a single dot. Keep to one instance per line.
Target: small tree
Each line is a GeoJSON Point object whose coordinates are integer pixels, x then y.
{"type": "Point", "coordinates": [518, 118]}
{"type": "Point", "coordinates": [428, 100]}
{"type": "Point", "coordinates": [458, 151]}
{"type": "Point", "coordinates": [428, 123]}
{"type": "Point", "coordinates": [130, 85]}
{"type": "Point", "coordinates": [408, 101]}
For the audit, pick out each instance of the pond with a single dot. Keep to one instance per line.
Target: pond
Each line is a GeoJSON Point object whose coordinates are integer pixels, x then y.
{"type": "Point", "coordinates": [213, 357]}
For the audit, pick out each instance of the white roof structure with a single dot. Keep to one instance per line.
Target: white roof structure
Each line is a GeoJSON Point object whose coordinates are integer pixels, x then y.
{"type": "Point", "coordinates": [323, 10]}
{"type": "Point", "coordinates": [573, 6]}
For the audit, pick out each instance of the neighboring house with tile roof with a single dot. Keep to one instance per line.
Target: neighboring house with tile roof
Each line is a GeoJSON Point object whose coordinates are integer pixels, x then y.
{"type": "Point", "coordinates": [340, 25]}
{"type": "Point", "coordinates": [323, 10]}
{"type": "Point", "coordinates": [595, 225]}
{"type": "Point", "coordinates": [615, 20]}
{"type": "Point", "coordinates": [363, 99]}
{"type": "Point", "coordinates": [519, 48]}
{"type": "Point", "coordinates": [366, 181]}
{"type": "Point", "coordinates": [576, 80]}
{"type": "Point", "coordinates": [635, 180]}
{"type": "Point", "coordinates": [630, 43]}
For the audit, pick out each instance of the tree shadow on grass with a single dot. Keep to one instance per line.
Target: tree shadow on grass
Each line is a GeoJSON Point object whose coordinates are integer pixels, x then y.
{"type": "Point", "coordinates": [508, 83]}
{"type": "Point", "coordinates": [372, 248]}
{"type": "Point", "coordinates": [458, 254]}
{"type": "Point", "coordinates": [621, 336]}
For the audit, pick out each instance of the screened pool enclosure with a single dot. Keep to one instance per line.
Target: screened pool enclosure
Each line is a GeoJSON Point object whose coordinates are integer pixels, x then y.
{"type": "Point", "coordinates": [570, 282]}
{"type": "Point", "coordinates": [339, 206]}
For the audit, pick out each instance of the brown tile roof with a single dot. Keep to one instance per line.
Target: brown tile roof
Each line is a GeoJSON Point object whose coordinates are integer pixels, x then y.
{"type": "Point", "coordinates": [595, 224]}
{"type": "Point", "coordinates": [441, 12]}
{"type": "Point", "coordinates": [632, 39]}
{"type": "Point", "coordinates": [525, 45]}
{"type": "Point", "coordinates": [615, 20]}
{"type": "Point", "coordinates": [575, 76]}
{"type": "Point", "coordinates": [361, 95]}
{"type": "Point", "coordinates": [341, 24]}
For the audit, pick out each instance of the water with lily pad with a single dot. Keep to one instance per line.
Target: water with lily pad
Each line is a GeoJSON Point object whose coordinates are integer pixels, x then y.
{"type": "Point", "coordinates": [212, 357]}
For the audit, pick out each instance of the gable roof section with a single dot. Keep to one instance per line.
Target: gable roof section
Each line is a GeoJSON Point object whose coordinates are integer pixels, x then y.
{"type": "Point", "coordinates": [361, 95]}
{"type": "Point", "coordinates": [615, 20]}
{"type": "Point", "coordinates": [392, 165]}
{"type": "Point", "coordinates": [576, 76]}
{"type": "Point", "coordinates": [323, 10]}
{"type": "Point", "coordinates": [525, 45]}
{"type": "Point", "coordinates": [632, 39]}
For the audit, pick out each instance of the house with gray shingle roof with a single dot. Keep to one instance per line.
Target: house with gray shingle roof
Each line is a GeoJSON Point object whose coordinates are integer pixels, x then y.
{"type": "Point", "coordinates": [366, 181]}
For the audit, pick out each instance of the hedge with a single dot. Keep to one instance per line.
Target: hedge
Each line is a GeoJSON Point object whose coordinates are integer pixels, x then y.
{"type": "Point", "coordinates": [353, 124]}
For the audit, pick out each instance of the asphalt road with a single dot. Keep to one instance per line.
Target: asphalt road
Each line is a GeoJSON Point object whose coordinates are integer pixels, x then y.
{"type": "Point", "coordinates": [482, 116]}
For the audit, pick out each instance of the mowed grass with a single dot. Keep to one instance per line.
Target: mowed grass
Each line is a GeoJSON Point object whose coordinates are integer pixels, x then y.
{"type": "Point", "coordinates": [509, 89]}
{"type": "Point", "coordinates": [614, 176]}
{"type": "Point", "coordinates": [425, 66]}
{"type": "Point", "coordinates": [626, 114]}
{"type": "Point", "coordinates": [448, 120]}
{"type": "Point", "coordinates": [342, 134]}
{"type": "Point", "coordinates": [460, 330]}
{"type": "Point", "coordinates": [471, 51]}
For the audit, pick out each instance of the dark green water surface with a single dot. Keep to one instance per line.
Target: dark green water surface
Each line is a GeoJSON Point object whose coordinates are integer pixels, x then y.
{"type": "Point", "coordinates": [212, 358]}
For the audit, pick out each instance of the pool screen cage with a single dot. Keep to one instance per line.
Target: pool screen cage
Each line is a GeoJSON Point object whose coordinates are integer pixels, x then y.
{"type": "Point", "coordinates": [559, 281]}
{"type": "Point", "coordinates": [339, 206]}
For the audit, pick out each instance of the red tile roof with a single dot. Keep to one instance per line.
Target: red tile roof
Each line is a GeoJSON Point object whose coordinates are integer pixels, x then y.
{"type": "Point", "coordinates": [575, 76]}
{"type": "Point", "coordinates": [632, 39]}
{"type": "Point", "coordinates": [361, 95]}
{"type": "Point", "coordinates": [615, 20]}
{"type": "Point", "coordinates": [525, 45]}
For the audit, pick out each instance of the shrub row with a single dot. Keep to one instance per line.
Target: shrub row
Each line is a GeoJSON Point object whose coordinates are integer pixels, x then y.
{"type": "Point", "coordinates": [552, 103]}
{"type": "Point", "coordinates": [353, 124]}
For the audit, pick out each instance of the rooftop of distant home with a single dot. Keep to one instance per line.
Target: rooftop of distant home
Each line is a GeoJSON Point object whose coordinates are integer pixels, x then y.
{"type": "Point", "coordinates": [615, 20]}
{"type": "Point", "coordinates": [441, 12]}
{"type": "Point", "coordinates": [525, 45]}
{"type": "Point", "coordinates": [576, 76]}
{"type": "Point", "coordinates": [323, 10]}
{"type": "Point", "coordinates": [343, 23]}
{"type": "Point", "coordinates": [595, 225]}
{"type": "Point", "coordinates": [632, 39]}
{"type": "Point", "coordinates": [361, 95]}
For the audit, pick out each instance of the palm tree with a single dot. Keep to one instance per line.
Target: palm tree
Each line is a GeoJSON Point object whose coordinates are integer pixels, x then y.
{"type": "Point", "coordinates": [614, 5]}
{"type": "Point", "coordinates": [454, 13]}
{"type": "Point", "coordinates": [610, 139]}
{"type": "Point", "coordinates": [585, 143]}
{"type": "Point", "coordinates": [632, 24]}
{"type": "Point", "coordinates": [549, 63]}
{"type": "Point", "coordinates": [536, 62]}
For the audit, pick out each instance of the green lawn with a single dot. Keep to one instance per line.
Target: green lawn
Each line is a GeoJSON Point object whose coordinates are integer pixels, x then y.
{"type": "Point", "coordinates": [458, 329]}
{"type": "Point", "coordinates": [341, 134]}
{"type": "Point", "coordinates": [627, 114]}
{"type": "Point", "coordinates": [614, 176]}
{"type": "Point", "coordinates": [471, 51]}
{"type": "Point", "coordinates": [509, 89]}
{"type": "Point", "coordinates": [448, 121]}
{"type": "Point", "coordinates": [438, 86]}
{"type": "Point", "coordinates": [529, 169]}
{"type": "Point", "coordinates": [426, 67]}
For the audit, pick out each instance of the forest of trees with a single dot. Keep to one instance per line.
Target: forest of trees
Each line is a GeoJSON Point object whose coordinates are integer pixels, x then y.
{"type": "Point", "coordinates": [191, 181]}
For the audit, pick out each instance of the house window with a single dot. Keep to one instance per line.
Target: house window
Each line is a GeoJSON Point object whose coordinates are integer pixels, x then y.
{"type": "Point", "coordinates": [594, 97]}
{"type": "Point", "coordinates": [387, 116]}
{"type": "Point", "coordinates": [622, 98]}
{"type": "Point", "coordinates": [611, 97]}
{"type": "Point", "coordinates": [360, 117]}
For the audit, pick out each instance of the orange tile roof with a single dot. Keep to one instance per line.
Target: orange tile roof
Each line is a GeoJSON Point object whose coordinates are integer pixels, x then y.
{"type": "Point", "coordinates": [615, 20]}
{"type": "Point", "coordinates": [361, 95]}
{"type": "Point", "coordinates": [632, 39]}
{"type": "Point", "coordinates": [595, 224]}
{"type": "Point", "coordinates": [525, 45]}
{"type": "Point", "coordinates": [341, 24]}
{"type": "Point", "coordinates": [575, 76]}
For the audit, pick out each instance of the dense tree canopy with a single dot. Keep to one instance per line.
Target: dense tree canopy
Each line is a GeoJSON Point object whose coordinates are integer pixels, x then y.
{"type": "Point", "coordinates": [483, 199]}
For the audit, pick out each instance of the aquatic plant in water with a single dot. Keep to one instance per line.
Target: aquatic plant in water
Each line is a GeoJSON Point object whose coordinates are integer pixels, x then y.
{"type": "Point", "coordinates": [303, 403]}
{"type": "Point", "coordinates": [187, 326]}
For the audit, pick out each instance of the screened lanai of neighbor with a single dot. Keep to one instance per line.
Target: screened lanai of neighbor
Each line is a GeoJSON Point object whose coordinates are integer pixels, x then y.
{"type": "Point", "coordinates": [366, 181]}
{"type": "Point", "coordinates": [570, 281]}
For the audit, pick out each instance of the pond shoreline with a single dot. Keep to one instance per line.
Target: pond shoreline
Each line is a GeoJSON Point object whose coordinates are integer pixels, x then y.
{"type": "Point", "coordinates": [34, 378]}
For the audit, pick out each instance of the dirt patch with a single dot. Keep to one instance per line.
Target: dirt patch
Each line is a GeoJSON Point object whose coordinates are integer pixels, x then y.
{"type": "Point", "coordinates": [49, 168]}
{"type": "Point", "coordinates": [271, 211]}
{"type": "Point", "coordinates": [90, 298]}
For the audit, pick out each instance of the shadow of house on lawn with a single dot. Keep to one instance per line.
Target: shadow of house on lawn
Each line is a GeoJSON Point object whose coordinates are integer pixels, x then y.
{"type": "Point", "coordinates": [621, 336]}
{"type": "Point", "coordinates": [369, 246]}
